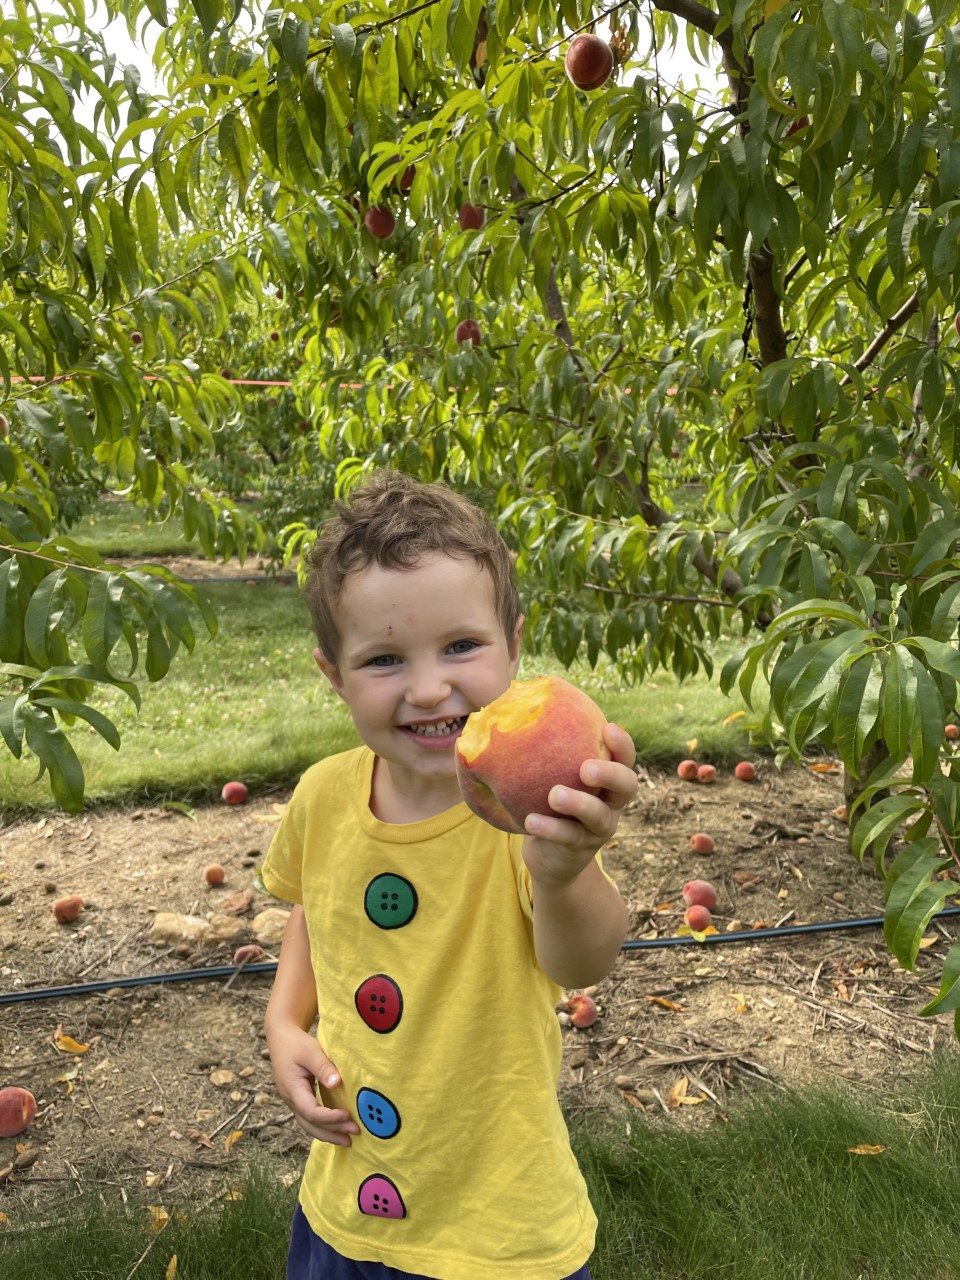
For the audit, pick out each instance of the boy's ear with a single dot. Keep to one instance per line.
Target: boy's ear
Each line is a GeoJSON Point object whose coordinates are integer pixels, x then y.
{"type": "Point", "coordinates": [330, 670]}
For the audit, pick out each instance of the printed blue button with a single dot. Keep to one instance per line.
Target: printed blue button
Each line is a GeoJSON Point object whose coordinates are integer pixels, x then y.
{"type": "Point", "coordinates": [377, 1113]}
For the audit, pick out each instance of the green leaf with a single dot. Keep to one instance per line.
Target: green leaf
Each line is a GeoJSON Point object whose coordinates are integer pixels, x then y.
{"type": "Point", "coordinates": [876, 825]}
{"type": "Point", "coordinates": [947, 999]}
{"type": "Point", "coordinates": [70, 707]}
{"type": "Point", "coordinates": [49, 744]}
{"type": "Point", "coordinates": [899, 691]}
{"type": "Point", "coordinates": [914, 899]}
{"type": "Point", "coordinates": [209, 13]}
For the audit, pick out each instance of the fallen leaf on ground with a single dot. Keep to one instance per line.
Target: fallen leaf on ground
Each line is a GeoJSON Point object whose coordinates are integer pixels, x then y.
{"type": "Point", "coordinates": [664, 1003]}
{"type": "Point", "coordinates": [866, 1149]}
{"type": "Point", "coordinates": [232, 1141]}
{"type": "Point", "coordinates": [197, 1135]}
{"type": "Point", "coordinates": [742, 1006]}
{"type": "Point", "coordinates": [678, 1096]}
{"type": "Point", "coordinates": [171, 1270]}
{"type": "Point", "coordinates": [67, 1044]}
{"type": "Point", "coordinates": [734, 716]}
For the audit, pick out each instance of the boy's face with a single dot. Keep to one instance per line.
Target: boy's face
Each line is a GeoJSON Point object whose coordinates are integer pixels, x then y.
{"type": "Point", "coordinates": [420, 649]}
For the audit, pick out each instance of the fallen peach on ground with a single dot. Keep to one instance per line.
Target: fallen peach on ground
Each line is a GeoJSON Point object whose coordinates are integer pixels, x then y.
{"type": "Point", "coordinates": [698, 918]}
{"type": "Point", "coordinates": [583, 1011]}
{"type": "Point", "coordinates": [700, 842]}
{"type": "Point", "coordinates": [66, 910]}
{"type": "Point", "coordinates": [532, 738]}
{"type": "Point", "coordinates": [17, 1109]}
{"type": "Point", "coordinates": [700, 893]}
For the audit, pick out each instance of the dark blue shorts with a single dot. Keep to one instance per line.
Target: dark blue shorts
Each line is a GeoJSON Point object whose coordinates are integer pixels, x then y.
{"type": "Point", "coordinates": [310, 1258]}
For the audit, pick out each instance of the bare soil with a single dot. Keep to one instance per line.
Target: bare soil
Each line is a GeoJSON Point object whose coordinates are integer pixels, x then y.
{"type": "Point", "coordinates": [167, 1085]}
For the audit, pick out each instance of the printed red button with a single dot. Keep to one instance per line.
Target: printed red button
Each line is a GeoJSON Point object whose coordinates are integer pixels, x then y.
{"type": "Point", "coordinates": [379, 1002]}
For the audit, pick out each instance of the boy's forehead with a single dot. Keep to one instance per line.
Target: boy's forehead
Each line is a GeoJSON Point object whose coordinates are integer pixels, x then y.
{"type": "Point", "coordinates": [442, 584]}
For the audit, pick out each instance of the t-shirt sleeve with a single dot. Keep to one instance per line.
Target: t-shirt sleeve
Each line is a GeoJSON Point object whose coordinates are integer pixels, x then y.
{"type": "Point", "coordinates": [282, 870]}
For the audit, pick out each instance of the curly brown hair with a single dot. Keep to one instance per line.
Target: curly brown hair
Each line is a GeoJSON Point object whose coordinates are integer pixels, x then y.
{"type": "Point", "coordinates": [395, 521]}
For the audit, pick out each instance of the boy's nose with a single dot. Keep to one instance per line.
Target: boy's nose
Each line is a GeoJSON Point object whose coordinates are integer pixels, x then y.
{"type": "Point", "coordinates": [427, 688]}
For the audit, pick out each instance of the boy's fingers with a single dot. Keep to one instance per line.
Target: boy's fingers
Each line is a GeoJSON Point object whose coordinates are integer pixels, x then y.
{"type": "Point", "coordinates": [620, 743]}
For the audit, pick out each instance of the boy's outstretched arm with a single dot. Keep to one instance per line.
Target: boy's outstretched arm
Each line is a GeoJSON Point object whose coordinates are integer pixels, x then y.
{"type": "Point", "coordinates": [296, 1057]}
{"type": "Point", "coordinates": [579, 918]}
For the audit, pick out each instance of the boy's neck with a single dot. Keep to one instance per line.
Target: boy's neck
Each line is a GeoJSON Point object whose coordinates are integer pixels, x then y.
{"type": "Point", "coordinates": [403, 801]}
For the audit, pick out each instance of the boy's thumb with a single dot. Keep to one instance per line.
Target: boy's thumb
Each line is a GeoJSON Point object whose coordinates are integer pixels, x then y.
{"type": "Point", "coordinates": [325, 1071]}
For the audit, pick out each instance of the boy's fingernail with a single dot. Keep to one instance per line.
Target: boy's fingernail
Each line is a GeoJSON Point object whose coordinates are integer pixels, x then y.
{"type": "Point", "coordinates": [593, 773]}
{"type": "Point", "coordinates": [332, 1079]}
{"type": "Point", "coordinates": [533, 823]}
{"type": "Point", "coordinates": [560, 796]}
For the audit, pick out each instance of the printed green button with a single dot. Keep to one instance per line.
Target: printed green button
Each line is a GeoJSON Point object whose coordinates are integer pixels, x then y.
{"type": "Point", "coordinates": [390, 901]}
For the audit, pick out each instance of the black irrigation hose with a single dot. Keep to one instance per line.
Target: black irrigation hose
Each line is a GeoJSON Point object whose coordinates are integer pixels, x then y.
{"type": "Point", "coordinates": [269, 966]}
{"type": "Point", "coordinates": [746, 935]}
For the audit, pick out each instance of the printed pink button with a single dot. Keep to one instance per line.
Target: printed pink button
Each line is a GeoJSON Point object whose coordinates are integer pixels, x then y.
{"type": "Point", "coordinates": [379, 1198]}
{"type": "Point", "coordinates": [379, 1002]}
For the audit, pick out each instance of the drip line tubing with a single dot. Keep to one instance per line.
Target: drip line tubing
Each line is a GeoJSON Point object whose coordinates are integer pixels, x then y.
{"type": "Point", "coordinates": [269, 966]}
{"type": "Point", "coordinates": [747, 935]}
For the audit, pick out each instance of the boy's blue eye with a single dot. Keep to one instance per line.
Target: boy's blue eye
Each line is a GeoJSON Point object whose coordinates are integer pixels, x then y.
{"type": "Point", "coordinates": [382, 660]}
{"type": "Point", "coordinates": [463, 646]}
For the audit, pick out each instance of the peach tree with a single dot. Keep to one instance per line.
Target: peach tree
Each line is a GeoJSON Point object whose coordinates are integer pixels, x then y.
{"type": "Point", "coordinates": [545, 294]}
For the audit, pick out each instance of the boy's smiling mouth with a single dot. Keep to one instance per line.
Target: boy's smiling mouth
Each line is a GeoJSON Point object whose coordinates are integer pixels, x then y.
{"type": "Point", "coordinates": [452, 725]}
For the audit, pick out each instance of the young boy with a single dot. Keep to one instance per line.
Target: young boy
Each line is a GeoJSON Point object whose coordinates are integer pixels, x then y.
{"type": "Point", "coordinates": [430, 945]}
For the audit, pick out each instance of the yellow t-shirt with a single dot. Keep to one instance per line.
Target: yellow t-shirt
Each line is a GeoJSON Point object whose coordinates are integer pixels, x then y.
{"type": "Point", "coordinates": [442, 1025]}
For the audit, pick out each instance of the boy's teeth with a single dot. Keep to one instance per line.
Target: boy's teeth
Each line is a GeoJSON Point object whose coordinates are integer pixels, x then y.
{"type": "Point", "coordinates": [435, 730]}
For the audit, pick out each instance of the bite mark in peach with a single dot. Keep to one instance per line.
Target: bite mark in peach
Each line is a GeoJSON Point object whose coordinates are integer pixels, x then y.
{"type": "Point", "coordinates": [532, 738]}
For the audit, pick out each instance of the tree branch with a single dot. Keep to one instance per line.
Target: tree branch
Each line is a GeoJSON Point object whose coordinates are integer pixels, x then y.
{"type": "Point", "coordinates": [771, 335]}
{"type": "Point", "coordinates": [895, 323]}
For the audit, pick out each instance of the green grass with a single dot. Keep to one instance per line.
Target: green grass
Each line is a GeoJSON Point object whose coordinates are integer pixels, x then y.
{"type": "Point", "coordinates": [777, 1193]}
{"type": "Point", "coordinates": [773, 1193]}
{"type": "Point", "coordinates": [121, 530]}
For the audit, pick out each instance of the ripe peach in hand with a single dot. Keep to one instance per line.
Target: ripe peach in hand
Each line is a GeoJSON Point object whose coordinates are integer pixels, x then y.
{"type": "Point", "coordinates": [697, 918]}
{"type": "Point", "coordinates": [745, 771]}
{"type": "Point", "coordinates": [702, 843]}
{"type": "Point", "coordinates": [214, 874]}
{"type": "Point", "coordinates": [17, 1109]}
{"type": "Point", "coordinates": [532, 738]}
{"type": "Point", "coordinates": [700, 893]}
{"type": "Point", "coordinates": [583, 1011]}
{"type": "Point", "coordinates": [66, 910]}
{"type": "Point", "coordinates": [706, 773]}
{"type": "Point", "coordinates": [687, 770]}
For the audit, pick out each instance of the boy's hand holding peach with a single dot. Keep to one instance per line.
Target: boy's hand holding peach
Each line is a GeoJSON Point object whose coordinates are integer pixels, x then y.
{"type": "Point", "coordinates": [542, 760]}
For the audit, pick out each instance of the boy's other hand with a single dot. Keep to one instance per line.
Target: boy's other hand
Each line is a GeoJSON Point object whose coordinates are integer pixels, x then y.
{"type": "Point", "coordinates": [298, 1062]}
{"type": "Point", "coordinates": [560, 844]}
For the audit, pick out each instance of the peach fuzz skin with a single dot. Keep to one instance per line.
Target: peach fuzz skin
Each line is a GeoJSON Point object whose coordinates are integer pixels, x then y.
{"type": "Point", "coordinates": [534, 737]}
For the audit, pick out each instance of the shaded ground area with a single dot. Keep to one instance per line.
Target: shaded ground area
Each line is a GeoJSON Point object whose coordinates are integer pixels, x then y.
{"type": "Point", "coordinates": [168, 1086]}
